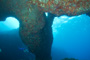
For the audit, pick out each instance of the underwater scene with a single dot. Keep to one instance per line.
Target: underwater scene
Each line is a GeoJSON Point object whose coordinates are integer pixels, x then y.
{"type": "Point", "coordinates": [44, 29]}
{"type": "Point", "coordinates": [71, 39]}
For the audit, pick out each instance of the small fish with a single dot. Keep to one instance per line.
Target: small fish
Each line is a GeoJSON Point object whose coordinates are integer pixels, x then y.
{"type": "Point", "coordinates": [21, 48]}
{"type": "Point", "coordinates": [24, 49]}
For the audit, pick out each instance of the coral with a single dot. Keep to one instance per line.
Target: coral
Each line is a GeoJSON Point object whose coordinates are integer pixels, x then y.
{"type": "Point", "coordinates": [58, 7]}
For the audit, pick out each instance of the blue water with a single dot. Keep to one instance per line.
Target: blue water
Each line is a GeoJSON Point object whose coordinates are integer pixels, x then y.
{"type": "Point", "coordinates": [71, 39]}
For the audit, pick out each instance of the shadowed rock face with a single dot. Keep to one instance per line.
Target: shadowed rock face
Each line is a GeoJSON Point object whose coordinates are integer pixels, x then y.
{"type": "Point", "coordinates": [88, 13]}
{"type": "Point", "coordinates": [35, 28]}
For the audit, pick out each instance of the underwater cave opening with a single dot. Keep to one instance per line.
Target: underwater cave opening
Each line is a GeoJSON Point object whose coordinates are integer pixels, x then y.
{"type": "Point", "coordinates": [9, 24]}
{"type": "Point", "coordinates": [71, 37]}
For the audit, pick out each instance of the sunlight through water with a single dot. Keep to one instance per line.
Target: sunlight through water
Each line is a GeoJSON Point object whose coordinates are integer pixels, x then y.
{"type": "Point", "coordinates": [9, 24]}
{"type": "Point", "coordinates": [71, 37]}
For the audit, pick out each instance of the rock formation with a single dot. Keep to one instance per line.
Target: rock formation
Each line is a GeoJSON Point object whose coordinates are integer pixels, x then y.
{"type": "Point", "coordinates": [35, 28]}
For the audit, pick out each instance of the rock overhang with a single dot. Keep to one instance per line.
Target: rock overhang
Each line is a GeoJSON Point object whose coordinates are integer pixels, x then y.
{"type": "Point", "coordinates": [60, 7]}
